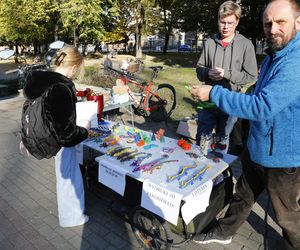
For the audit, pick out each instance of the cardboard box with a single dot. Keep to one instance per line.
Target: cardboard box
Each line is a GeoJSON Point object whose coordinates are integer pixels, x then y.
{"type": "Point", "coordinates": [188, 127]}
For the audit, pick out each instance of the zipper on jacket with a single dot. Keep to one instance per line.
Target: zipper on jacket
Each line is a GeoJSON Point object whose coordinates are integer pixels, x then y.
{"type": "Point", "coordinates": [270, 134]}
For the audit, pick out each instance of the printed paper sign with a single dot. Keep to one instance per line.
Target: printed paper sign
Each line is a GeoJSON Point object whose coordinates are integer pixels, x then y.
{"type": "Point", "coordinates": [161, 201]}
{"type": "Point", "coordinates": [197, 202]}
{"type": "Point", "coordinates": [112, 177]}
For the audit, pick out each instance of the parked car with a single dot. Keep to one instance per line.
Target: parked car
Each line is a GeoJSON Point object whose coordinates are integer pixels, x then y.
{"type": "Point", "coordinates": [184, 47]}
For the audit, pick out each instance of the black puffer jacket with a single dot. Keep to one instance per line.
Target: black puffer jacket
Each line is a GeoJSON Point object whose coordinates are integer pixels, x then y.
{"type": "Point", "coordinates": [59, 104]}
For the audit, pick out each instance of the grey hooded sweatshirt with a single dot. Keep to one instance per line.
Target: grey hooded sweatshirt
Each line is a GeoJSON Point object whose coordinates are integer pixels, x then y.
{"type": "Point", "coordinates": [238, 61]}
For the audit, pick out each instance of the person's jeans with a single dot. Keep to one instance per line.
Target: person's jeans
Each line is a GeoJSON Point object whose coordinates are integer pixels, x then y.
{"type": "Point", "coordinates": [208, 119]}
{"type": "Point", "coordinates": [283, 186]}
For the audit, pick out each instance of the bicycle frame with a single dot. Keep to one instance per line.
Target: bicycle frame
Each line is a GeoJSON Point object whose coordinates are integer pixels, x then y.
{"type": "Point", "coordinates": [146, 93]}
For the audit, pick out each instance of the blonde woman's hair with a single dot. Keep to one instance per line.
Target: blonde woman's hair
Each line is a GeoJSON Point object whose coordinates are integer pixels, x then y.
{"type": "Point", "coordinates": [68, 56]}
{"type": "Point", "coordinates": [229, 8]}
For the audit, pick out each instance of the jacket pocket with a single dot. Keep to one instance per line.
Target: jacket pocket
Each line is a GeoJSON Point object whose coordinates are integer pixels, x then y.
{"type": "Point", "coordinates": [271, 140]}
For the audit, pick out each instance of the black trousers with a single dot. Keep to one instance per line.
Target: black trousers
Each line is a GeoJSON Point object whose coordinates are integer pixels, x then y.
{"type": "Point", "coordinates": [283, 186]}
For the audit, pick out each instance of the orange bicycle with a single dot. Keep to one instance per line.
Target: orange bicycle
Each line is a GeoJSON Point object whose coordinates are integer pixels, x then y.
{"type": "Point", "coordinates": [156, 103]}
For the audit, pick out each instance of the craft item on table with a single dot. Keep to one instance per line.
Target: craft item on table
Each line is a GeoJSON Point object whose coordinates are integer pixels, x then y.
{"type": "Point", "coordinates": [147, 147]}
{"type": "Point", "coordinates": [133, 156]}
{"type": "Point", "coordinates": [95, 132]}
{"type": "Point", "coordinates": [153, 138]}
{"type": "Point", "coordinates": [116, 150]}
{"type": "Point", "coordinates": [104, 127]}
{"type": "Point", "coordinates": [137, 137]}
{"type": "Point", "coordinates": [111, 141]}
{"type": "Point", "coordinates": [182, 172]}
{"type": "Point", "coordinates": [97, 140]}
{"type": "Point", "coordinates": [130, 134]}
{"type": "Point", "coordinates": [180, 142]}
{"type": "Point", "coordinates": [127, 149]}
{"type": "Point", "coordinates": [158, 166]}
{"type": "Point", "coordinates": [147, 140]}
{"type": "Point", "coordinates": [168, 150]}
{"type": "Point", "coordinates": [110, 138]}
{"type": "Point", "coordinates": [126, 128]}
{"type": "Point", "coordinates": [126, 154]}
{"type": "Point", "coordinates": [214, 156]}
{"type": "Point", "coordinates": [94, 139]}
{"type": "Point", "coordinates": [160, 133]}
{"type": "Point", "coordinates": [130, 140]}
{"type": "Point", "coordinates": [197, 176]}
{"type": "Point", "coordinates": [116, 130]}
{"type": "Point", "coordinates": [139, 160]}
{"type": "Point", "coordinates": [193, 155]}
{"type": "Point", "coordinates": [150, 164]}
{"type": "Point", "coordinates": [184, 144]}
{"type": "Point", "coordinates": [112, 150]}
{"type": "Point", "coordinates": [141, 143]}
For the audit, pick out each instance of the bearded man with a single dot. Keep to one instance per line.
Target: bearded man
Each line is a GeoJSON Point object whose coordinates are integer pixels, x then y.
{"type": "Point", "coordinates": [272, 157]}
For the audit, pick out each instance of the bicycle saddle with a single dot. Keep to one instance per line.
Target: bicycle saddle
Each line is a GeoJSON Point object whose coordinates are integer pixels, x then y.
{"type": "Point", "coordinates": [156, 68]}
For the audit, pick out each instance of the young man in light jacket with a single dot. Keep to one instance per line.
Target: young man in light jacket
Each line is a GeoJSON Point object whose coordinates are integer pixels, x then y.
{"type": "Point", "coordinates": [227, 60]}
{"type": "Point", "coordinates": [272, 160]}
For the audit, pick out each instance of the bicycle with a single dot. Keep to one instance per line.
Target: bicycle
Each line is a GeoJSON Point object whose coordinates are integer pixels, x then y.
{"type": "Point", "coordinates": [157, 104]}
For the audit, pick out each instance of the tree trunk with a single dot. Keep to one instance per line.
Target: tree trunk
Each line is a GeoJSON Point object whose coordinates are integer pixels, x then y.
{"type": "Point", "coordinates": [167, 38]}
{"type": "Point", "coordinates": [138, 30]}
{"type": "Point", "coordinates": [167, 35]}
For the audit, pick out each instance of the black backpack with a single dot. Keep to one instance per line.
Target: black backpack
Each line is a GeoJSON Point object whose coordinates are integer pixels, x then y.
{"type": "Point", "coordinates": [36, 131]}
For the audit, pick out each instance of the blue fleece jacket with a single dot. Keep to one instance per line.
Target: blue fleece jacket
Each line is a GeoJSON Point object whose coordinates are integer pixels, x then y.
{"type": "Point", "coordinates": [273, 109]}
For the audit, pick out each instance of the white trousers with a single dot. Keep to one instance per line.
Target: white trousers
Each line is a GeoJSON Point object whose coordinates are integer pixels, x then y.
{"type": "Point", "coordinates": [69, 188]}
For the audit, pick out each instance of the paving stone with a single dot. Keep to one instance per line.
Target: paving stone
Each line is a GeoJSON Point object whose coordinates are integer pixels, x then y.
{"type": "Point", "coordinates": [96, 241]}
{"type": "Point", "coordinates": [79, 243]}
{"type": "Point", "coordinates": [51, 221]}
{"type": "Point", "coordinates": [67, 233]}
{"type": "Point", "coordinates": [115, 240]}
{"type": "Point", "coordinates": [60, 243]}
{"type": "Point", "coordinates": [18, 240]}
{"type": "Point", "coordinates": [2, 236]}
{"type": "Point", "coordinates": [98, 228]}
{"type": "Point", "coordinates": [30, 233]}
{"type": "Point", "coordinates": [6, 244]}
{"type": "Point", "coordinates": [48, 232]}
{"type": "Point", "coordinates": [43, 244]}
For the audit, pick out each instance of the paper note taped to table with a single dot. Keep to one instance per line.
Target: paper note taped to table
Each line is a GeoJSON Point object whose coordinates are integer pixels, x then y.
{"type": "Point", "coordinates": [197, 202]}
{"type": "Point", "coordinates": [112, 177]}
{"type": "Point", "coordinates": [161, 201]}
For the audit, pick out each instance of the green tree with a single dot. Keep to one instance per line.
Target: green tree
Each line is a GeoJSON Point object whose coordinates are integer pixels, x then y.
{"type": "Point", "coordinates": [23, 22]}
{"type": "Point", "coordinates": [251, 22]}
{"type": "Point", "coordinates": [84, 19]}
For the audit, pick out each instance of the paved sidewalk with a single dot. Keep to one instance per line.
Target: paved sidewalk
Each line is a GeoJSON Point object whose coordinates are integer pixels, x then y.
{"type": "Point", "coordinates": [28, 208]}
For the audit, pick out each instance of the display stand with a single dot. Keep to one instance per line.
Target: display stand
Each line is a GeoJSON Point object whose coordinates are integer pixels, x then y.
{"type": "Point", "coordinates": [155, 196]}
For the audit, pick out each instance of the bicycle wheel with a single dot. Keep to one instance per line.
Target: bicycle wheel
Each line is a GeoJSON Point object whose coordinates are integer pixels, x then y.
{"type": "Point", "coordinates": [157, 227]}
{"type": "Point", "coordinates": [162, 104]}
